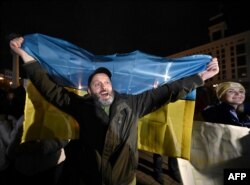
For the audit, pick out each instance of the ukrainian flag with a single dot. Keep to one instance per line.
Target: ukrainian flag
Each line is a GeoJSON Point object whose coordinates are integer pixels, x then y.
{"type": "Point", "coordinates": [166, 131]}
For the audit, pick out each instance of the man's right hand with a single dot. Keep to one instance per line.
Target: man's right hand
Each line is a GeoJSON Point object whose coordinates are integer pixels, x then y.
{"type": "Point", "coordinates": [15, 45]}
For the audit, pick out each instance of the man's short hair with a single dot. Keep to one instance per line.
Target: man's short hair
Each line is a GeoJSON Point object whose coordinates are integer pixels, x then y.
{"type": "Point", "coordinates": [99, 70]}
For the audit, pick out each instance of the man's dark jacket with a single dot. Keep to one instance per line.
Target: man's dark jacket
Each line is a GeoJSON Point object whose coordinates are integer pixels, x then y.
{"type": "Point", "coordinates": [108, 152]}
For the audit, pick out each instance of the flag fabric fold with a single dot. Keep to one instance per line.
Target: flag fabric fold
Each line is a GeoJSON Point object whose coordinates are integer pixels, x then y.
{"type": "Point", "coordinates": [215, 148]}
{"type": "Point", "coordinates": [71, 65]}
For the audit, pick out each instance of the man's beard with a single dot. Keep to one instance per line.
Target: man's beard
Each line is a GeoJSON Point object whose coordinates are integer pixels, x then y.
{"type": "Point", "coordinates": [106, 102]}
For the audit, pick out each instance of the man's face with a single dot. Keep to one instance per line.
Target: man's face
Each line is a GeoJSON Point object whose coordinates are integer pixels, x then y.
{"type": "Point", "coordinates": [101, 87]}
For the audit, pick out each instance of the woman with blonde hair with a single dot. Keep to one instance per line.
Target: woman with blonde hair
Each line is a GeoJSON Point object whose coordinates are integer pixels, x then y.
{"type": "Point", "coordinates": [231, 96]}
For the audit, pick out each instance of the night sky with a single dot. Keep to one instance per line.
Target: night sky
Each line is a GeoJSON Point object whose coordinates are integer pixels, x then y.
{"type": "Point", "coordinates": [106, 27]}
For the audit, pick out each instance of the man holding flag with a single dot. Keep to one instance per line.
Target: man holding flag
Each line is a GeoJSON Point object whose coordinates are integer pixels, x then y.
{"type": "Point", "coordinates": [107, 119]}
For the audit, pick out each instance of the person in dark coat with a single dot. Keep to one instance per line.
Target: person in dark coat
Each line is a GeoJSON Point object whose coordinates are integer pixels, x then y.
{"type": "Point", "coordinates": [108, 120]}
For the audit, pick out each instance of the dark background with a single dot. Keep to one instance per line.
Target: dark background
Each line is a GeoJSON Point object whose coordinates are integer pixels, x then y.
{"type": "Point", "coordinates": [105, 27]}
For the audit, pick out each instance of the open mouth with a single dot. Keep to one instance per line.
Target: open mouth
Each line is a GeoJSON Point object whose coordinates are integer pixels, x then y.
{"type": "Point", "coordinates": [104, 94]}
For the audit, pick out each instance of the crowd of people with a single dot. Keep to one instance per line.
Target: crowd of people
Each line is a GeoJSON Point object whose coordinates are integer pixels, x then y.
{"type": "Point", "coordinates": [106, 152]}
{"type": "Point", "coordinates": [39, 162]}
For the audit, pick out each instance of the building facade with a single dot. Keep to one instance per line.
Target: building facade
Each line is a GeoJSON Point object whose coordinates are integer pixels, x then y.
{"type": "Point", "coordinates": [233, 53]}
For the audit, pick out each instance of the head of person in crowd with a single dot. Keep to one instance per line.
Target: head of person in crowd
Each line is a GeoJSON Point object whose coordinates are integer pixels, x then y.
{"type": "Point", "coordinates": [232, 93]}
{"type": "Point", "coordinates": [100, 86]}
